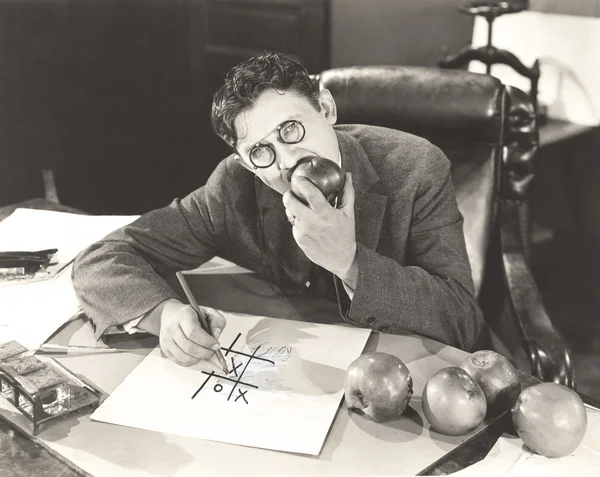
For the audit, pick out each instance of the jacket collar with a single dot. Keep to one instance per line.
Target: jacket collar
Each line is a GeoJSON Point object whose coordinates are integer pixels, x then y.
{"type": "Point", "coordinates": [369, 206]}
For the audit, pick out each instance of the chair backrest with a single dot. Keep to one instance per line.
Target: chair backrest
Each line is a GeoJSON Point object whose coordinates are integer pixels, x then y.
{"type": "Point", "coordinates": [462, 113]}
{"type": "Point", "coordinates": [489, 132]}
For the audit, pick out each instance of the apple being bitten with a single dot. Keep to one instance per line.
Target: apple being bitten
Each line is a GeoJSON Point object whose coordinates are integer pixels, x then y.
{"type": "Point", "coordinates": [379, 385]}
{"type": "Point", "coordinates": [323, 173]}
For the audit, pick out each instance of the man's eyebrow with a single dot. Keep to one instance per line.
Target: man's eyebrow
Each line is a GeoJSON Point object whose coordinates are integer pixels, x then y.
{"type": "Point", "coordinates": [248, 150]}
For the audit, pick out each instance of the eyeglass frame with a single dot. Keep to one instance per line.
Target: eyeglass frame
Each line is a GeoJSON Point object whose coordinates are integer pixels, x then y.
{"type": "Point", "coordinates": [279, 138]}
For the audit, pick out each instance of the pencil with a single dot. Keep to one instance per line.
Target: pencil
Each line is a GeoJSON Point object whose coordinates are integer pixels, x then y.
{"type": "Point", "coordinates": [62, 349]}
{"type": "Point", "coordinates": [194, 304]}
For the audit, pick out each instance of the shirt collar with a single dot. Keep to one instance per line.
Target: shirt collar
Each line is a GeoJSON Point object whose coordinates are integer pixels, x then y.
{"type": "Point", "coordinates": [338, 160]}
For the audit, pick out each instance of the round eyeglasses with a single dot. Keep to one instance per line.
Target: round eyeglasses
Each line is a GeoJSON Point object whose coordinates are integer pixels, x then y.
{"type": "Point", "coordinates": [288, 132]}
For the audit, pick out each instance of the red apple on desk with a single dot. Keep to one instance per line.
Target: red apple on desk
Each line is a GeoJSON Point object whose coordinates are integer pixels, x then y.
{"type": "Point", "coordinates": [453, 403]}
{"type": "Point", "coordinates": [497, 378]}
{"type": "Point", "coordinates": [550, 419]}
{"type": "Point", "coordinates": [323, 173]}
{"type": "Point", "coordinates": [379, 385]}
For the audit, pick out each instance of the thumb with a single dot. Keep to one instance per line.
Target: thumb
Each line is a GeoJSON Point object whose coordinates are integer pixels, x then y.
{"type": "Point", "coordinates": [347, 202]}
{"type": "Point", "coordinates": [215, 320]}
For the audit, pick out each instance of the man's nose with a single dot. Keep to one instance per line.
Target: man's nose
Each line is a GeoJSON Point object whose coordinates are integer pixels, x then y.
{"type": "Point", "coordinates": [289, 155]}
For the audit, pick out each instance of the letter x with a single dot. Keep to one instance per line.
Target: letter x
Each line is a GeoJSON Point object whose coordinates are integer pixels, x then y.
{"type": "Point", "coordinates": [242, 395]}
{"type": "Point", "coordinates": [234, 367]}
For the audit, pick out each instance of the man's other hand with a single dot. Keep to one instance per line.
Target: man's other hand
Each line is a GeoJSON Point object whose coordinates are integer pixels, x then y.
{"type": "Point", "coordinates": [181, 336]}
{"type": "Point", "coordinates": [325, 234]}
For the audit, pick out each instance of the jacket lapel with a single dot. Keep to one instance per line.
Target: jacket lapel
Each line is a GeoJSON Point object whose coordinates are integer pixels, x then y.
{"type": "Point", "coordinates": [280, 248]}
{"type": "Point", "coordinates": [369, 207]}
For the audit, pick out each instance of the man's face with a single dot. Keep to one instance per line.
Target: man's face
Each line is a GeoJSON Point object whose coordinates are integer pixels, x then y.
{"type": "Point", "coordinates": [257, 129]}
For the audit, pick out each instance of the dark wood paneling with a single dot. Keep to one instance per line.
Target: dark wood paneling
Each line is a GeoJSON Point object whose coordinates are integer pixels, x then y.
{"type": "Point", "coordinates": [115, 94]}
{"type": "Point", "coordinates": [238, 29]}
{"type": "Point", "coordinates": [131, 80]}
{"type": "Point", "coordinates": [397, 32]}
{"type": "Point", "coordinates": [226, 32]}
{"type": "Point", "coordinates": [254, 26]}
{"type": "Point", "coordinates": [35, 119]}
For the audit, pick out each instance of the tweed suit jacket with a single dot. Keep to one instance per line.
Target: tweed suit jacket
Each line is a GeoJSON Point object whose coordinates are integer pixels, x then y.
{"type": "Point", "coordinates": [413, 271]}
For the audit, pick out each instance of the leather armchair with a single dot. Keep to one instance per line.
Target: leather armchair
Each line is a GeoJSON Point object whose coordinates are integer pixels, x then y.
{"type": "Point", "coordinates": [489, 133]}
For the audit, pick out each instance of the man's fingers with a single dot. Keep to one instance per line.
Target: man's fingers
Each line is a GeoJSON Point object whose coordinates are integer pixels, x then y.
{"type": "Point", "coordinates": [215, 320]}
{"type": "Point", "coordinates": [182, 338]}
{"type": "Point", "coordinates": [294, 207]}
{"type": "Point", "coordinates": [312, 194]}
{"type": "Point", "coordinates": [189, 348]}
{"type": "Point", "coordinates": [174, 353]}
{"type": "Point", "coordinates": [192, 329]}
{"type": "Point", "coordinates": [181, 357]}
{"type": "Point", "coordinates": [347, 198]}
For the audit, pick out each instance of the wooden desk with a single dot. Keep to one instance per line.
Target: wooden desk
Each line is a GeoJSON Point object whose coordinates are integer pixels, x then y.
{"type": "Point", "coordinates": [77, 445]}
{"type": "Point", "coordinates": [354, 445]}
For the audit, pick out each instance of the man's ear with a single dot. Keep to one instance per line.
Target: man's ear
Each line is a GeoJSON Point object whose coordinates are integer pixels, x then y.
{"type": "Point", "coordinates": [237, 158]}
{"type": "Point", "coordinates": [328, 106]}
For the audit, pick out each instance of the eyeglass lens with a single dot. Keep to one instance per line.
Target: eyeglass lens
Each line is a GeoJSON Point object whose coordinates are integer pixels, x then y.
{"type": "Point", "coordinates": [288, 132]}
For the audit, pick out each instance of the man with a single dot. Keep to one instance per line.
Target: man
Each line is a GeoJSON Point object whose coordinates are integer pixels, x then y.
{"type": "Point", "coordinates": [392, 253]}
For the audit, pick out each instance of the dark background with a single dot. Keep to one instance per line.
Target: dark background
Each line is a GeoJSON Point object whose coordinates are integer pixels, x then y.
{"type": "Point", "coordinates": [114, 95]}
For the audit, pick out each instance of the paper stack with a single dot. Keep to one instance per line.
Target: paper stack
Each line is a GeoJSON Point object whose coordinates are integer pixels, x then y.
{"type": "Point", "coordinates": [31, 311]}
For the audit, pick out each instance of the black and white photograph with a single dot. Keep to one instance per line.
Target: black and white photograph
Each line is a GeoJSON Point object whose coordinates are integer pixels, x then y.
{"type": "Point", "coordinates": [300, 238]}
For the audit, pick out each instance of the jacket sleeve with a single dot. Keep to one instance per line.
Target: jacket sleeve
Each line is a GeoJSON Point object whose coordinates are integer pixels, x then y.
{"type": "Point", "coordinates": [122, 276]}
{"type": "Point", "coordinates": [431, 293]}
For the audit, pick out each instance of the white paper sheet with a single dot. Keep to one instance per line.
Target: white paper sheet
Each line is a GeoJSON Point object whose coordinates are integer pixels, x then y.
{"type": "Point", "coordinates": [32, 230]}
{"type": "Point", "coordinates": [30, 311]}
{"type": "Point", "coordinates": [285, 397]}
{"type": "Point", "coordinates": [567, 47]}
{"type": "Point", "coordinates": [510, 458]}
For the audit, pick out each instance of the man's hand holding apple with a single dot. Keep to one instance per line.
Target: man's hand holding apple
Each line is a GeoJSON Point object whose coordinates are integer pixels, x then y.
{"type": "Point", "coordinates": [326, 234]}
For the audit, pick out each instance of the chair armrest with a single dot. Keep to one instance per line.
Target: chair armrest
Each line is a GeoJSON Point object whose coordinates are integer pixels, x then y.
{"type": "Point", "coordinates": [547, 350]}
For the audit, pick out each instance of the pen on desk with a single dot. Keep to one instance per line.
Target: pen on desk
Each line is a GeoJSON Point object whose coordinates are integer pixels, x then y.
{"type": "Point", "coordinates": [80, 382]}
{"type": "Point", "coordinates": [194, 304]}
{"type": "Point", "coordinates": [65, 349]}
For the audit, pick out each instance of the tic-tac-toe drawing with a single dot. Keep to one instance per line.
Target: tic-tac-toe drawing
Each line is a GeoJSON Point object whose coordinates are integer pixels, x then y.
{"type": "Point", "coordinates": [283, 375]}
{"type": "Point", "coordinates": [240, 362]}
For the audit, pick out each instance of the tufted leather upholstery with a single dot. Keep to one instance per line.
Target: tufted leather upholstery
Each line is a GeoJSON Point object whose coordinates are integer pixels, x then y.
{"type": "Point", "coordinates": [489, 133]}
{"type": "Point", "coordinates": [461, 115]}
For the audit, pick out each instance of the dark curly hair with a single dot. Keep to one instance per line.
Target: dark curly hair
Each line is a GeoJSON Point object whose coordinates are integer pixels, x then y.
{"type": "Point", "coordinates": [246, 81]}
